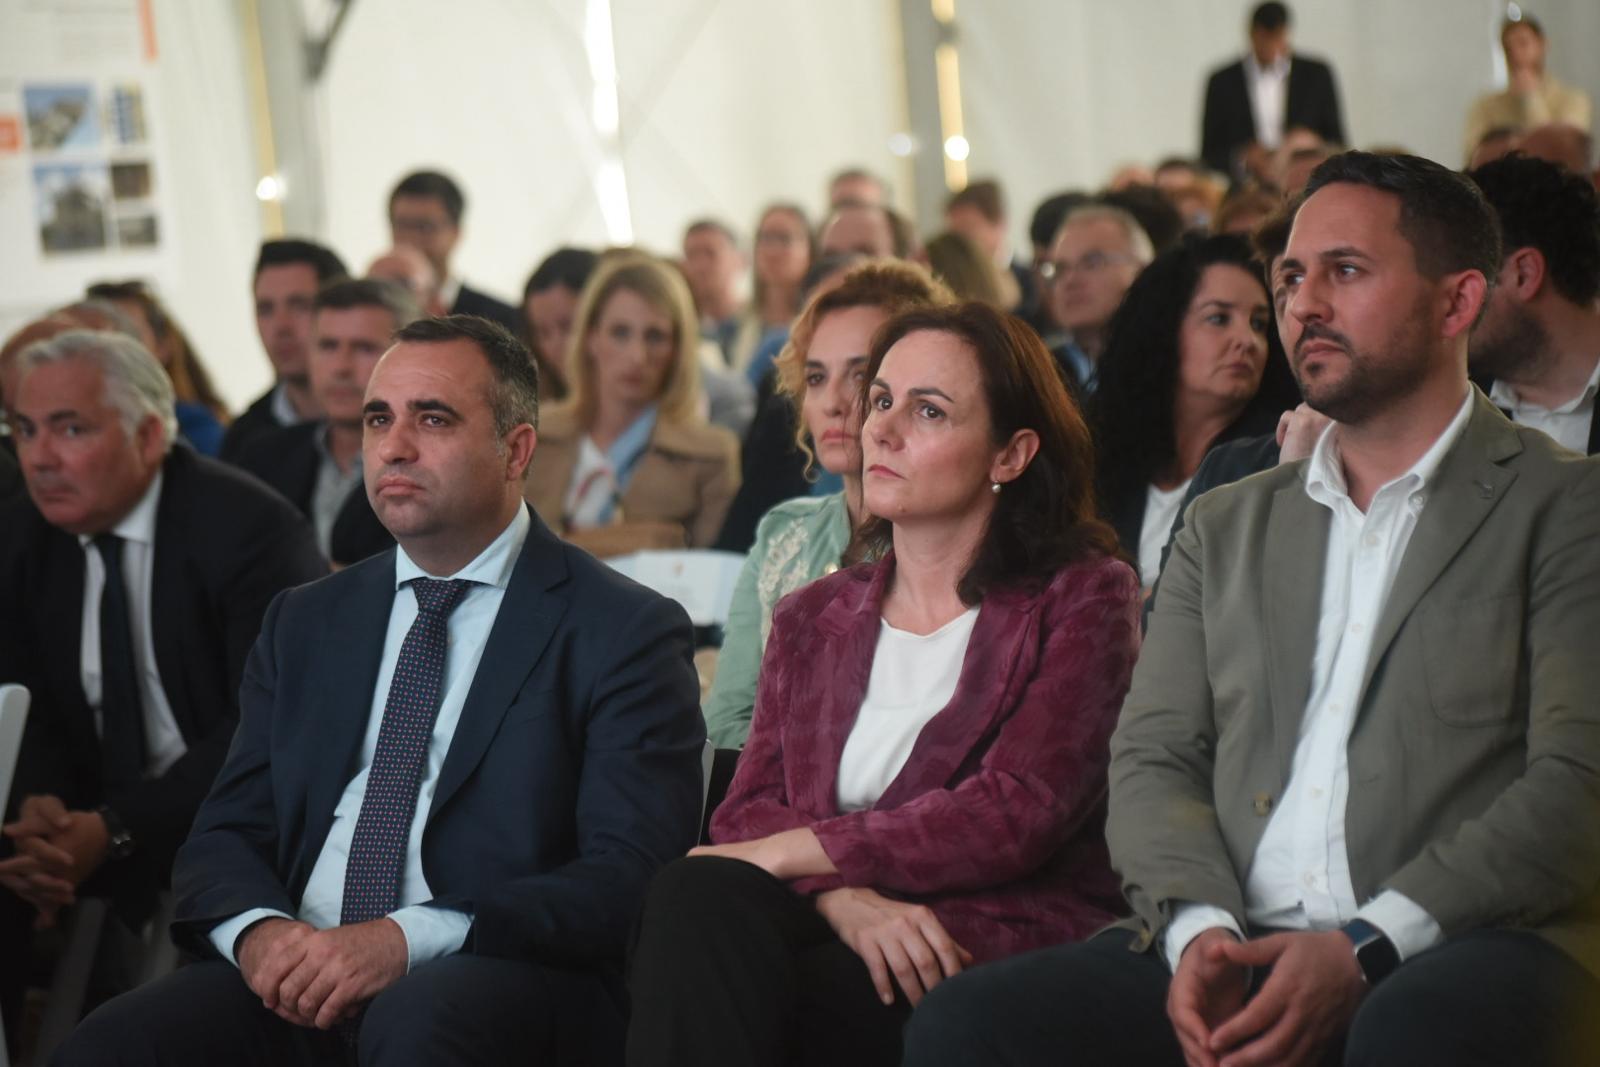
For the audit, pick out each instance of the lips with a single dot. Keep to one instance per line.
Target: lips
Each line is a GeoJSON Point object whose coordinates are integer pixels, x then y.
{"type": "Point", "coordinates": [835, 435]}
{"type": "Point", "coordinates": [393, 483]}
{"type": "Point", "coordinates": [883, 472]}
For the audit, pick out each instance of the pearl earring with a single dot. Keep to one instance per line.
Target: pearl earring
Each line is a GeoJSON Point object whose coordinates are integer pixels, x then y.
{"type": "Point", "coordinates": [994, 487]}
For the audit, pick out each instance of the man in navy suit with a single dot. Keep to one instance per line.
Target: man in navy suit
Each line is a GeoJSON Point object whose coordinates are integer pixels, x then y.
{"type": "Point", "coordinates": [1251, 104]}
{"type": "Point", "coordinates": [425, 212]}
{"type": "Point", "coordinates": [457, 766]}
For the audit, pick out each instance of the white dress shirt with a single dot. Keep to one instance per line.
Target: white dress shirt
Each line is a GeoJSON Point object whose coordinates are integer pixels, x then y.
{"type": "Point", "coordinates": [913, 678]}
{"type": "Point", "coordinates": [163, 743]}
{"type": "Point", "coordinates": [1160, 511]}
{"type": "Point", "coordinates": [1299, 878]}
{"type": "Point", "coordinates": [283, 409]}
{"type": "Point", "coordinates": [1567, 423]}
{"type": "Point", "coordinates": [1269, 98]}
{"type": "Point", "coordinates": [430, 932]}
{"type": "Point", "coordinates": [331, 489]}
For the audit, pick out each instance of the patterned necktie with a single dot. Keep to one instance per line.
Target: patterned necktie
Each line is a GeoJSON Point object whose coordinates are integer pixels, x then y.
{"type": "Point", "coordinates": [378, 848]}
{"type": "Point", "coordinates": [121, 712]}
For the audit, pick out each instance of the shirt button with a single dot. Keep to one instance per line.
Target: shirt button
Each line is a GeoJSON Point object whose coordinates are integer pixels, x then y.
{"type": "Point", "coordinates": [1336, 707]}
{"type": "Point", "coordinates": [1311, 881]}
{"type": "Point", "coordinates": [1356, 628]}
{"type": "Point", "coordinates": [1316, 791]}
{"type": "Point", "coordinates": [1371, 540]}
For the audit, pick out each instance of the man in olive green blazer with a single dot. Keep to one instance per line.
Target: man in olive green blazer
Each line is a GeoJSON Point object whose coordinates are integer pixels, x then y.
{"type": "Point", "coordinates": [1362, 743]}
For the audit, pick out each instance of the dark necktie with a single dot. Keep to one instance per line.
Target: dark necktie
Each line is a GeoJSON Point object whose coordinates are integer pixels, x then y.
{"type": "Point", "coordinates": [378, 848]}
{"type": "Point", "coordinates": [121, 711]}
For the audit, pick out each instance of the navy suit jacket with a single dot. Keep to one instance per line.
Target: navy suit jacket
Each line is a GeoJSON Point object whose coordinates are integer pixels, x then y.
{"type": "Point", "coordinates": [573, 774]}
{"type": "Point", "coordinates": [470, 301]}
{"type": "Point", "coordinates": [287, 459]}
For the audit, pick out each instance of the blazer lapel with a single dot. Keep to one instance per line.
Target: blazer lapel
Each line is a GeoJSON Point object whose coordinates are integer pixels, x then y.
{"type": "Point", "coordinates": [983, 690]}
{"type": "Point", "coordinates": [1467, 486]}
{"type": "Point", "coordinates": [1293, 560]}
{"type": "Point", "coordinates": [1594, 432]}
{"type": "Point", "coordinates": [848, 628]}
{"type": "Point", "coordinates": [169, 590]}
{"type": "Point", "coordinates": [527, 618]}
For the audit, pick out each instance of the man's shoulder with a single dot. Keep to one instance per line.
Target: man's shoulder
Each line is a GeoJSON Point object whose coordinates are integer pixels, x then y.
{"type": "Point", "coordinates": [272, 447]}
{"type": "Point", "coordinates": [221, 497]}
{"type": "Point", "coordinates": [1250, 490]}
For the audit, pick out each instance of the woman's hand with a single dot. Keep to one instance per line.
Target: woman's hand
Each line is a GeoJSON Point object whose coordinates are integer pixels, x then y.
{"type": "Point", "coordinates": [892, 936]}
{"type": "Point", "coordinates": [788, 855]}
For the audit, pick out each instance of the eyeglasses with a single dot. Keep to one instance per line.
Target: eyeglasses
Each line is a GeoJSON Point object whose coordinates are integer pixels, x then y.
{"type": "Point", "coordinates": [1089, 263]}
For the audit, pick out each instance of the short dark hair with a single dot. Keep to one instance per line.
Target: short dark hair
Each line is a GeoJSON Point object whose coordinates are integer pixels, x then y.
{"type": "Point", "coordinates": [983, 196]}
{"type": "Point", "coordinates": [1446, 219]}
{"type": "Point", "coordinates": [342, 294]}
{"type": "Point", "coordinates": [288, 251]}
{"type": "Point", "coordinates": [1044, 520]}
{"type": "Point", "coordinates": [1271, 237]}
{"type": "Point", "coordinates": [715, 226]}
{"type": "Point", "coordinates": [1160, 219]}
{"type": "Point", "coordinates": [1542, 206]}
{"type": "Point", "coordinates": [1051, 213]}
{"type": "Point", "coordinates": [433, 184]}
{"type": "Point", "coordinates": [569, 268]}
{"type": "Point", "coordinates": [1270, 16]}
{"type": "Point", "coordinates": [514, 391]}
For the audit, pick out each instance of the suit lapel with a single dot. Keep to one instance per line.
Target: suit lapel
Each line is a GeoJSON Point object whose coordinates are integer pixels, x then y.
{"type": "Point", "coordinates": [1594, 432]}
{"type": "Point", "coordinates": [168, 609]}
{"type": "Point", "coordinates": [1466, 488]}
{"type": "Point", "coordinates": [527, 619]}
{"type": "Point", "coordinates": [848, 628]}
{"type": "Point", "coordinates": [1292, 569]}
{"type": "Point", "coordinates": [982, 691]}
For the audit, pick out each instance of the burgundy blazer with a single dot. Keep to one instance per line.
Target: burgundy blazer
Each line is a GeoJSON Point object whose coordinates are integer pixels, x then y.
{"type": "Point", "coordinates": [997, 820]}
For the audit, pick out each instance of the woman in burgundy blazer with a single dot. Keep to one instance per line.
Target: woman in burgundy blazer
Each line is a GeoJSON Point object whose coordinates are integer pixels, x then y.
{"type": "Point", "coordinates": [808, 933]}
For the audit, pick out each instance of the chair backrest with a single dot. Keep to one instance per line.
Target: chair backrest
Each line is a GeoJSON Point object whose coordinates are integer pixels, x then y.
{"type": "Point", "coordinates": [13, 714]}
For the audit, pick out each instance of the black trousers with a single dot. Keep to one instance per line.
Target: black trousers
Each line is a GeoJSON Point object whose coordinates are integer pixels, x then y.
{"type": "Point", "coordinates": [732, 968]}
{"type": "Point", "coordinates": [1496, 998]}
{"type": "Point", "coordinates": [457, 1010]}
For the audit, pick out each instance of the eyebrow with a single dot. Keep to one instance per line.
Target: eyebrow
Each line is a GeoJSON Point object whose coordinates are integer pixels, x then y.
{"type": "Point", "coordinates": [852, 361]}
{"type": "Point", "coordinates": [1342, 252]}
{"type": "Point", "coordinates": [64, 415]}
{"type": "Point", "coordinates": [929, 390]}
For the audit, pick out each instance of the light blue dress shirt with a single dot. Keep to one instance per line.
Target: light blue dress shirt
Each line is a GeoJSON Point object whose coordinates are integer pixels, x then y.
{"type": "Point", "coordinates": [430, 932]}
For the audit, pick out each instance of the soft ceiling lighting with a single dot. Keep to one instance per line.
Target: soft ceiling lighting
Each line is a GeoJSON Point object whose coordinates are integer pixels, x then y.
{"type": "Point", "coordinates": [901, 144]}
{"type": "Point", "coordinates": [957, 148]}
{"type": "Point", "coordinates": [610, 179]}
{"type": "Point", "coordinates": [270, 189]}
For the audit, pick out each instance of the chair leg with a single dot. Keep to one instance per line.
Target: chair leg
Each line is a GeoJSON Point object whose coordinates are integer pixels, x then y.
{"type": "Point", "coordinates": [70, 983]}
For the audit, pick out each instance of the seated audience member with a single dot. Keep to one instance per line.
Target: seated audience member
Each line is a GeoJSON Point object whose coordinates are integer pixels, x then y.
{"type": "Point", "coordinates": [1537, 348]}
{"type": "Point", "coordinates": [411, 270]}
{"type": "Point", "coordinates": [1531, 97]}
{"type": "Point", "coordinates": [201, 413]}
{"type": "Point", "coordinates": [1294, 164]}
{"type": "Point", "coordinates": [1183, 369]}
{"type": "Point", "coordinates": [773, 468]}
{"type": "Point", "coordinates": [978, 212]}
{"type": "Point", "coordinates": [1500, 141]}
{"type": "Point", "coordinates": [855, 185]}
{"type": "Point", "coordinates": [864, 229]}
{"type": "Point", "coordinates": [1095, 256]}
{"type": "Point", "coordinates": [288, 275]}
{"type": "Point", "coordinates": [317, 465]}
{"type": "Point", "coordinates": [425, 211]}
{"type": "Point", "coordinates": [627, 462]}
{"type": "Point", "coordinates": [712, 262]}
{"type": "Point", "coordinates": [1042, 229]}
{"type": "Point", "coordinates": [1156, 215]}
{"type": "Point", "coordinates": [1251, 104]}
{"type": "Point", "coordinates": [783, 255]}
{"type": "Point", "coordinates": [923, 783]}
{"type": "Point", "coordinates": [1245, 208]}
{"type": "Point", "coordinates": [1351, 796]}
{"type": "Point", "coordinates": [528, 708]}
{"type": "Point", "coordinates": [959, 263]}
{"type": "Point", "coordinates": [1567, 147]}
{"type": "Point", "coordinates": [549, 303]}
{"type": "Point", "coordinates": [821, 375]}
{"type": "Point", "coordinates": [137, 575]}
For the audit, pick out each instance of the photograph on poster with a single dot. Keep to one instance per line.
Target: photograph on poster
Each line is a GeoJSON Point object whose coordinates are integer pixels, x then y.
{"type": "Point", "coordinates": [131, 180]}
{"type": "Point", "coordinates": [126, 109]}
{"type": "Point", "coordinates": [71, 199]}
{"type": "Point", "coordinates": [138, 231]}
{"type": "Point", "coordinates": [60, 117]}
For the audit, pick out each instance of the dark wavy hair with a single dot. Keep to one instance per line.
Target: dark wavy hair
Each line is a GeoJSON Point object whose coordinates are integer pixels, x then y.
{"type": "Point", "coordinates": [1131, 411]}
{"type": "Point", "coordinates": [1046, 518]}
{"type": "Point", "coordinates": [1542, 206]}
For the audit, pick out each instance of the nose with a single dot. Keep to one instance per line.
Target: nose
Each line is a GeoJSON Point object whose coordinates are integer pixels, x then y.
{"type": "Point", "coordinates": [883, 428]}
{"type": "Point", "coordinates": [1308, 301]}
{"type": "Point", "coordinates": [395, 444]}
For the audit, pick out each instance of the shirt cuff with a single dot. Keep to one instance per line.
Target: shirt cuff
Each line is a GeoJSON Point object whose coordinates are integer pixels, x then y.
{"type": "Point", "coordinates": [224, 934]}
{"type": "Point", "coordinates": [1189, 921]}
{"type": "Point", "coordinates": [431, 932]}
{"type": "Point", "coordinates": [1403, 922]}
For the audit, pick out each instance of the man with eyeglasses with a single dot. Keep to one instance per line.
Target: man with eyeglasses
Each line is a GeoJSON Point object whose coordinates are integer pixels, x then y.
{"type": "Point", "coordinates": [425, 212]}
{"type": "Point", "coordinates": [1095, 256]}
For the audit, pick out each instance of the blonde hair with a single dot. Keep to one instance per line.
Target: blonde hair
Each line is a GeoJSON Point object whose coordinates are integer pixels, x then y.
{"type": "Point", "coordinates": [891, 285]}
{"type": "Point", "coordinates": [664, 289]}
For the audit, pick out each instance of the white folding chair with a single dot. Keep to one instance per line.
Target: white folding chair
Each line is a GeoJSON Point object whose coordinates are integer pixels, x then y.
{"type": "Point", "coordinates": [13, 715]}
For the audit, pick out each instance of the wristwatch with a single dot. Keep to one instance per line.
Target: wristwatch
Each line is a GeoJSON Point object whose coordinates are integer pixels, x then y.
{"type": "Point", "coordinates": [1375, 953]}
{"type": "Point", "coordinates": [122, 843]}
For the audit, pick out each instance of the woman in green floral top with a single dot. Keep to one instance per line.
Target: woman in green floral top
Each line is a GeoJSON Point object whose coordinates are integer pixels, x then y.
{"type": "Point", "coordinates": [801, 540]}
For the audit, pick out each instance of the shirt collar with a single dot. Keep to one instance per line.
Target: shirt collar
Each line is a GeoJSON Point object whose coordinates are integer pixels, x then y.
{"type": "Point", "coordinates": [630, 444]}
{"type": "Point", "coordinates": [1325, 479]}
{"type": "Point", "coordinates": [449, 292]}
{"type": "Point", "coordinates": [320, 439]}
{"type": "Point", "coordinates": [139, 524]}
{"type": "Point", "coordinates": [282, 407]}
{"type": "Point", "coordinates": [1278, 69]}
{"type": "Point", "coordinates": [492, 566]}
{"type": "Point", "coordinates": [1504, 395]}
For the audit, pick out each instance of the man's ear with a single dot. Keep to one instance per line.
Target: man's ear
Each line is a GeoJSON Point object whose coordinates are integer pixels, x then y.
{"type": "Point", "coordinates": [1524, 273]}
{"type": "Point", "coordinates": [520, 445]}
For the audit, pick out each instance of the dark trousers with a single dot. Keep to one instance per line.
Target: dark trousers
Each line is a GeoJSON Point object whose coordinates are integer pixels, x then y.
{"type": "Point", "coordinates": [457, 1010]}
{"type": "Point", "coordinates": [1495, 998]}
{"type": "Point", "coordinates": [732, 968]}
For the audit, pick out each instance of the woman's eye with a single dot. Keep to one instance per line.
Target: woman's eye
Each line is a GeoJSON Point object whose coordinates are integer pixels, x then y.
{"type": "Point", "coordinates": [928, 411]}
{"type": "Point", "coordinates": [815, 379]}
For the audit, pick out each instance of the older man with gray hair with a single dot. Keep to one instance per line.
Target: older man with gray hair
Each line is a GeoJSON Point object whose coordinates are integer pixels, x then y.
{"type": "Point", "coordinates": [1095, 256]}
{"type": "Point", "coordinates": [134, 578]}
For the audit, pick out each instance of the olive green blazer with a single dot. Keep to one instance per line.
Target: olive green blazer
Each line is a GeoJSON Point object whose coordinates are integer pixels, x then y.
{"type": "Point", "coordinates": [1475, 754]}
